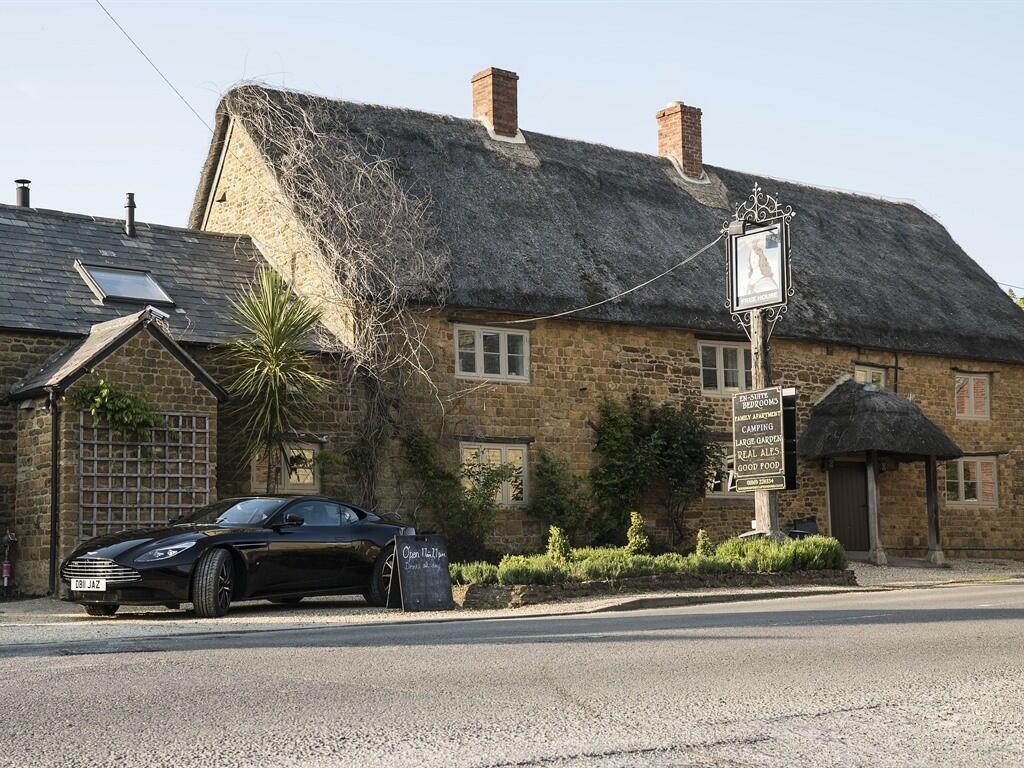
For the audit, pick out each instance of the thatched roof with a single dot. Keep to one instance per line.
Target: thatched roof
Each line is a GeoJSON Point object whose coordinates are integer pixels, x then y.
{"type": "Point", "coordinates": [554, 223]}
{"type": "Point", "coordinates": [863, 417]}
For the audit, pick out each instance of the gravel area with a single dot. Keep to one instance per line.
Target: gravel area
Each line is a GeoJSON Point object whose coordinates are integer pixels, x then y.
{"type": "Point", "coordinates": [900, 572]}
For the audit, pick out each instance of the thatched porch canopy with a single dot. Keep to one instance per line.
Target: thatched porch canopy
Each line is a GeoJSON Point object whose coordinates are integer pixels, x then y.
{"type": "Point", "coordinates": [856, 418]}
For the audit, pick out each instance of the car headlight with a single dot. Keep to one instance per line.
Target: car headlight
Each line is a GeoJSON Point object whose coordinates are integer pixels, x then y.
{"type": "Point", "coordinates": [162, 553]}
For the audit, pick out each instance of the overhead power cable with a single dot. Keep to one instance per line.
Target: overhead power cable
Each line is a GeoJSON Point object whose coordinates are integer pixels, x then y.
{"type": "Point", "coordinates": [155, 67]}
{"type": "Point", "coordinates": [644, 284]}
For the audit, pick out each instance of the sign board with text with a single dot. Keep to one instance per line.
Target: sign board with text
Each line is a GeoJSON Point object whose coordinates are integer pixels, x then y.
{"type": "Point", "coordinates": [758, 440]}
{"type": "Point", "coordinates": [421, 568]}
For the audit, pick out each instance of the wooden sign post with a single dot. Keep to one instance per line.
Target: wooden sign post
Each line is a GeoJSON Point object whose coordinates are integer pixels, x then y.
{"type": "Point", "coordinates": [766, 503]}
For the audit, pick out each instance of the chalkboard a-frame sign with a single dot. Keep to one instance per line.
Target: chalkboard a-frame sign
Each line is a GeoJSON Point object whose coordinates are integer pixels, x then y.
{"type": "Point", "coordinates": [420, 575]}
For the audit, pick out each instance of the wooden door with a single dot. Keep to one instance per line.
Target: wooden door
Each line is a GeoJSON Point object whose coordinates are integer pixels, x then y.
{"type": "Point", "coordinates": [848, 505]}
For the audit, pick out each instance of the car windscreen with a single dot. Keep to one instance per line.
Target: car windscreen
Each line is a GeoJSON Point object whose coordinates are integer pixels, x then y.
{"type": "Point", "coordinates": [237, 512]}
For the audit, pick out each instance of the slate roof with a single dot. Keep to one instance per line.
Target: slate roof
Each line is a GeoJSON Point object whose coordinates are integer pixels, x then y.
{"type": "Point", "coordinates": [103, 340]}
{"type": "Point", "coordinates": [863, 417]}
{"type": "Point", "coordinates": [40, 289]}
{"type": "Point", "coordinates": [556, 223]}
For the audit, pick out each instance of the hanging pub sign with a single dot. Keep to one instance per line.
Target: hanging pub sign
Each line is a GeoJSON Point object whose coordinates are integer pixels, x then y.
{"type": "Point", "coordinates": [758, 440]}
{"type": "Point", "coordinates": [757, 245]}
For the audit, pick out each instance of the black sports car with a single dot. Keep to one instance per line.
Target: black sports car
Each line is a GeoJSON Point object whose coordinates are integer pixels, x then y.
{"type": "Point", "coordinates": [281, 548]}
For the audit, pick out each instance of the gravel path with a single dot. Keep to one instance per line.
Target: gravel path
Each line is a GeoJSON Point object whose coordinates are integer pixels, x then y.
{"type": "Point", "coordinates": [901, 572]}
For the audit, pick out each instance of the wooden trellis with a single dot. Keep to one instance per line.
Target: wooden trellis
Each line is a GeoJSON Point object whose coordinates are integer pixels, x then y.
{"type": "Point", "coordinates": [128, 484]}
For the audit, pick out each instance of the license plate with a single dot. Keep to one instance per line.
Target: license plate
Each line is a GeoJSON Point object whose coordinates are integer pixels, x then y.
{"type": "Point", "coordinates": [88, 585]}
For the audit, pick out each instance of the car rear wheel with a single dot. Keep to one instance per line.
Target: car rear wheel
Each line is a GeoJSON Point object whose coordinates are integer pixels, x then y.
{"type": "Point", "coordinates": [101, 610]}
{"type": "Point", "coordinates": [383, 572]}
{"type": "Point", "coordinates": [212, 584]}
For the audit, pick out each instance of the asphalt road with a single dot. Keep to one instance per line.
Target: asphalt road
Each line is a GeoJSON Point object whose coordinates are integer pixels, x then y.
{"type": "Point", "coordinates": [923, 677]}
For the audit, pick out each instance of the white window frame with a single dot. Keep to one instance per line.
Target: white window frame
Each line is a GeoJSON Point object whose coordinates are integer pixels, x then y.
{"type": "Point", "coordinates": [503, 334]}
{"type": "Point", "coordinates": [285, 483]}
{"type": "Point", "coordinates": [977, 460]}
{"type": "Point", "coordinates": [728, 468]}
{"type": "Point", "coordinates": [506, 487]}
{"type": "Point", "coordinates": [969, 416]}
{"type": "Point", "coordinates": [721, 390]}
{"type": "Point", "coordinates": [868, 371]}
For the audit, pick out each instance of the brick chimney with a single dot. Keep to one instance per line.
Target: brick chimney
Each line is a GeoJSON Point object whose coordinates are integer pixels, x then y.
{"type": "Point", "coordinates": [495, 100]}
{"type": "Point", "coordinates": [679, 137]}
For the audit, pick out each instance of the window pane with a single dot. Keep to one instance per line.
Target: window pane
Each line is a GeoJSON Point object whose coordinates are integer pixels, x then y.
{"type": "Point", "coordinates": [860, 376]}
{"type": "Point", "coordinates": [515, 343]}
{"type": "Point", "coordinates": [514, 457]}
{"type": "Point", "coordinates": [127, 284]}
{"type": "Point", "coordinates": [731, 367]}
{"type": "Point", "coordinates": [970, 470]}
{"type": "Point", "coordinates": [987, 472]}
{"type": "Point", "coordinates": [980, 391]}
{"type": "Point", "coordinates": [709, 379]}
{"type": "Point", "coordinates": [492, 456]}
{"type": "Point", "coordinates": [492, 352]}
{"type": "Point", "coordinates": [467, 352]}
{"type": "Point", "coordinates": [962, 396]}
{"type": "Point", "coordinates": [952, 481]}
{"type": "Point", "coordinates": [516, 365]}
{"type": "Point", "coordinates": [301, 466]}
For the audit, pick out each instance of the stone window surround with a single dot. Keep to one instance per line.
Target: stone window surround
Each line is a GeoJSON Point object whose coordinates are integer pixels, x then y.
{"type": "Point", "coordinates": [503, 334]}
{"type": "Point", "coordinates": [969, 377]}
{"type": "Point", "coordinates": [482, 445]}
{"type": "Point", "coordinates": [743, 352]}
{"type": "Point", "coordinates": [978, 460]}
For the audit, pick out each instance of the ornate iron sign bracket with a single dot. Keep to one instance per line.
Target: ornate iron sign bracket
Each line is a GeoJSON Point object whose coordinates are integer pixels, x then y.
{"type": "Point", "coordinates": [760, 212]}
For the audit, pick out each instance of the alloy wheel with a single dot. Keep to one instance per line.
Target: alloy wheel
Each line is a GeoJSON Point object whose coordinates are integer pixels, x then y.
{"type": "Point", "coordinates": [224, 586]}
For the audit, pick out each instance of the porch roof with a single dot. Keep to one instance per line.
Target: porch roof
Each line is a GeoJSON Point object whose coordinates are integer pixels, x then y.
{"type": "Point", "coordinates": [854, 418]}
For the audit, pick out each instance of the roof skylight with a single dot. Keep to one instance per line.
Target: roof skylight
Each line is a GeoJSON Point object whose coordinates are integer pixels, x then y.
{"type": "Point", "coordinates": [118, 284]}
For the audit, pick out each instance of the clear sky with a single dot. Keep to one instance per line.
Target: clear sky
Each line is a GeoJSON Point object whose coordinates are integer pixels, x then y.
{"type": "Point", "coordinates": [917, 100]}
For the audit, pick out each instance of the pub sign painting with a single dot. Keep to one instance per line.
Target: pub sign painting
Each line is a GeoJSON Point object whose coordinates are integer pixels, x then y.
{"type": "Point", "coordinates": [759, 267]}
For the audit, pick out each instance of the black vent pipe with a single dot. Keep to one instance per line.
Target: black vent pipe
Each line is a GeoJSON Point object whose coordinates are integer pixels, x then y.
{"type": "Point", "coordinates": [129, 214]}
{"type": "Point", "coordinates": [21, 194]}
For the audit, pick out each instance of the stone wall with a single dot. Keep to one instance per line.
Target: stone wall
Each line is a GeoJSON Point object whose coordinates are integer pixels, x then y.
{"type": "Point", "coordinates": [31, 510]}
{"type": "Point", "coordinates": [20, 355]}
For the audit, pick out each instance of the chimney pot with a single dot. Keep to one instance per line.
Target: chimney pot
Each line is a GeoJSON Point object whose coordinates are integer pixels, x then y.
{"type": "Point", "coordinates": [495, 100]}
{"type": "Point", "coordinates": [679, 138]}
{"type": "Point", "coordinates": [129, 214]}
{"type": "Point", "coordinates": [21, 193]}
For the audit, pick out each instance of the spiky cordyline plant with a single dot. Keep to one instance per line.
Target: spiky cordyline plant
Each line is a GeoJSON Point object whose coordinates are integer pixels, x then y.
{"type": "Point", "coordinates": [275, 382]}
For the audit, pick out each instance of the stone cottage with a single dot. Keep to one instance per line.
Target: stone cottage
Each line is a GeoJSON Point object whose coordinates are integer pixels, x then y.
{"type": "Point", "coordinates": [536, 225]}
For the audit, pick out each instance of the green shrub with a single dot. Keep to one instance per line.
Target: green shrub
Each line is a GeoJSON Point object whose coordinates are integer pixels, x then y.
{"type": "Point", "coordinates": [558, 497]}
{"type": "Point", "coordinates": [704, 546]}
{"type": "Point", "coordinates": [637, 541]}
{"type": "Point", "coordinates": [473, 573]}
{"type": "Point", "coordinates": [585, 553]}
{"type": "Point", "coordinates": [558, 546]}
{"type": "Point", "coordinates": [764, 556]}
{"type": "Point", "coordinates": [612, 564]}
{"type": "Point", "coordinates": [529, 569]}
{"type": "Point", "coordinates": [461, 501]}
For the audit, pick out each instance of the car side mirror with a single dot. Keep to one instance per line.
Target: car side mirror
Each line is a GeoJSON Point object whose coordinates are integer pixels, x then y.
{"type": "Point", "coordinates": [292, 519]}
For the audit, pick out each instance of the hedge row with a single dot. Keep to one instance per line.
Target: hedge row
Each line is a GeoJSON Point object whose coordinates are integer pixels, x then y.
{"type": "Point", "coordinates": [600, 564]}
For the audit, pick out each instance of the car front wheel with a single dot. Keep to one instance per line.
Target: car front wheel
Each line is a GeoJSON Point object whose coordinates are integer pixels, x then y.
{"type": "Point", "coordinates": [212, 584]}
{"type": "Point", "coordinates": [383, 573]}
{"type": "Point", "coordinates": [101, 610]}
